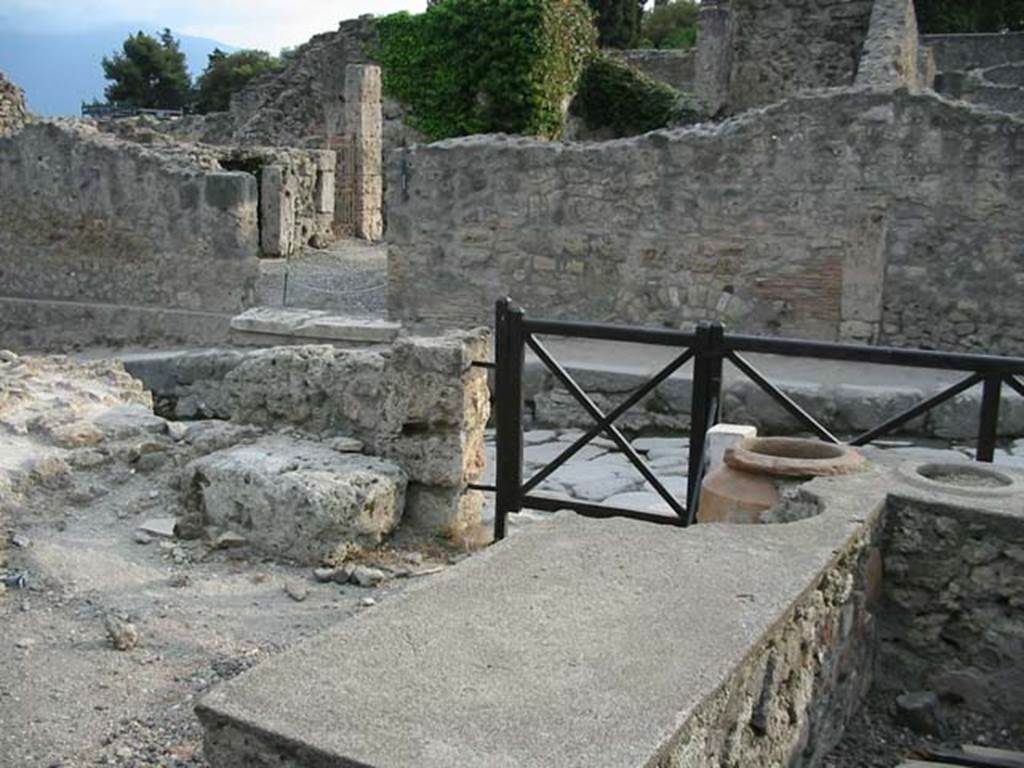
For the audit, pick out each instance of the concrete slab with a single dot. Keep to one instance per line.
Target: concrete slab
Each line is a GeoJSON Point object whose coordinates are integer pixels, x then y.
{"type": "Point", "coordinates": [574, 642]}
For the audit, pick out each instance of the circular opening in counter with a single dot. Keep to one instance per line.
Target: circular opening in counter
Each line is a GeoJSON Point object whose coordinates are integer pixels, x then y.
{"type": "Point", "coordinates": [964, 475]}
{"type": "Point", "coordinates": [792, 457]}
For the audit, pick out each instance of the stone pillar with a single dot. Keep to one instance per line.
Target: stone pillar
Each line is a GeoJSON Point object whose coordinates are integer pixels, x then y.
{"type": "Point", "coordinates": [277, 212]}
{"type": "Point", "coordinates": [714, 55]}
{"type": "Point", "coordinates": [364, 122]}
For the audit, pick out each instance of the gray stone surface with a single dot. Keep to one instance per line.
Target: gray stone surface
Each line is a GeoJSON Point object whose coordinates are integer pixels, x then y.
{"type": "Point", "coordinates": [753, 232]}
{"type": "Point", "coordinates": [515, 635]}
{"type": "Point", "coordinates": [88, 218]}
{"type": "Point", "coordinates": [292, 498]}
{"type": "Point", "coordinates": [675, 67]}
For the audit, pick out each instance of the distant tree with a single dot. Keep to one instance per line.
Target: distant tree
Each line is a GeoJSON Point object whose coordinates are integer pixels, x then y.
{"type": "Point", "coordinates": [672, 24]}
{"type": "Point", "coordinates": [962, 16]}
{"type": "Point", "coordinates": [227, 73]}
{"type": "Point", "coordinates": [618, 22]}
{"type": "Point", "coordinates": [148, 72]}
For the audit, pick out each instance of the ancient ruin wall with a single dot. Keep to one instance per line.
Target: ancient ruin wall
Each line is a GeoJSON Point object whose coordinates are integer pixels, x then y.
{"type": "Point", "coordinates": [670, 66]}
{"type": "Point", "coordinates": [87, 218]}
{"type": "Point", "coordinates": [987, 70]}
{"type": "Point", "coordinates": [891, 52]}
{"type": "Point", "coordinates": [797, 220]}
{"type": "Point", "coordinates": [954, 588]}
{"type": "Point", "coordinates": [12, 107]}
{"type": "Point", "coordinates": [779, 48]}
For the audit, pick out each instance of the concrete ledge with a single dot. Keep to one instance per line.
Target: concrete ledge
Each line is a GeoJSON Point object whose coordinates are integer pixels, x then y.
{"type": "Point", "coordinates": [582, 643]}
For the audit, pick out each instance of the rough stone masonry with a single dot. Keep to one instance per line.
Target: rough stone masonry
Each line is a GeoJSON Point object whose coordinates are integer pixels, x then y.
{"type": "Point", "coordinates": [12, 107]}
{"type": "Point", "coordinates": [863, 215]}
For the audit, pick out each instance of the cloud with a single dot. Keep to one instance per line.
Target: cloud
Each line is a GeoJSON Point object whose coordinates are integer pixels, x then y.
{"type": "Point", "coordinates": [267, 24]}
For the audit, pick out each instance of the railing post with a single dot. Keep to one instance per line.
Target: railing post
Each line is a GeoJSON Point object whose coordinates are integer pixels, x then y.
{"type": "Point", "coordinates": [509, 354]}
{"type": "Point", "coordinates": [708, 348]}
{"type": "Point", "coordinates": [989, 422]}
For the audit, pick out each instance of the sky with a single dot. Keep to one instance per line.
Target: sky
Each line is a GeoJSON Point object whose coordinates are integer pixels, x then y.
{"type": "Point", "coordinates": [266, 24]}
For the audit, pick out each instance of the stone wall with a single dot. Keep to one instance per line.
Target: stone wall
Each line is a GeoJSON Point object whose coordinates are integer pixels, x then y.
{"type": "Point", "coordinates": [296, 195]}
{"type": "Point", "coordinates": [986, 70]}
{"type": "Point", "coordinates": [296, 186]}
{"type": "Point", "coordinates": [673, 67]}
{"type": "Point", "coordinates": [847, 215]}
{"type": "Point", "coordinates": [789, 702]}
{"type": "Point", "coordinates": [757, 52]}
{"type": "Point", "coordinates": [952, 620]}
{"type": "Point", "coordinates": [88, 219]}
{"type": "Point", "coordinates": [959, 53]}
{"type": "Point", "coordinates": [12, 107]}
{"type": "Point", "coordinates": [891, 56]}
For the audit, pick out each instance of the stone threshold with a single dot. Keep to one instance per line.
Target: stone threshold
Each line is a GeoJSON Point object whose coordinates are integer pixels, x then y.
{"type": "Point", "coordinates": [262, 326]}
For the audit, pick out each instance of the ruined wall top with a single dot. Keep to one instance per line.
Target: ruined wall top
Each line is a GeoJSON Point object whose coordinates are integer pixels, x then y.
{"type": "Point", "coordinates": [12, 107]}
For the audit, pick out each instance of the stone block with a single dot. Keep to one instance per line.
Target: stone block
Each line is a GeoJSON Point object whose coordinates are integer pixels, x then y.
{"type": "Point", "coordinates": [293, 499]}
{"type": "Point", "coordinates": [447, 510]}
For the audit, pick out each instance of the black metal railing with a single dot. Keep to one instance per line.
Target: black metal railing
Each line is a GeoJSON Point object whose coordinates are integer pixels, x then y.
{"type": "Point", "coordinates": [707, 347]}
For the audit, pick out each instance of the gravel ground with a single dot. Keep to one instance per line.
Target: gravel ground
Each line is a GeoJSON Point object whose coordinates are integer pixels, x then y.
{"type": "Point", "coordinates": [874, 739]}
{"type": "Point", "coordinates": [348, 277]}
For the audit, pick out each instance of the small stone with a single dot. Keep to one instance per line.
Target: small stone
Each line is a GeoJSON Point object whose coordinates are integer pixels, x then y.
{"type": "Point", "coordinates": [365, 576]}
{"type": "Point", "coordinates": [229, 540]}
{"type": "Point", "coordinates": [296, 590]}
{"type": "Point", "coordinates": [176, 430]}
{"type": "Point", "coordinates": [179, 555]}
{"type": "Point", "coordinates": [919, 711]}
{"type": "Point", "coordinates": [366, 602]}
{"type": "Point", "coordinates": [179, 580]}
{"type": "Point", "coordinates": [413, 558]}
{"type": "Point", "coordinates": [24, 643]}
{"type": "Point", "coordinates": [21, 541]}
{"type": "Point", "coordinates": [123, 634]}
{"type": "Point", "coordinates": [324, 575]}
{"type": "Point", "coordinates": [346, 445]}
{"type": "Point", "coordinates": [160, 527]}
{"type": "Point", "coordinates": [141, 537]}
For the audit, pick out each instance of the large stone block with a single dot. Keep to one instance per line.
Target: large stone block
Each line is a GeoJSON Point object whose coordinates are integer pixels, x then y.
{"type": "Point", "coordinates": [292, 498]}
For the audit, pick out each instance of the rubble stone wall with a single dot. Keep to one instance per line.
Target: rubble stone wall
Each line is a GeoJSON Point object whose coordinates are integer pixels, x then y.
{"type": "Point", "coordinates": [844, 215]}
{"type": "Point", "coordinates": [779, 48]}
{"type": "Point", "coordinates": [959, 53]}
{"type": "Point", "coordinates": [951, 619]}
{"type": "Point", "coordinates": [12, 107]}
{"type": "Point", "coordinates": [891, 55]}
{"type": "Point", "coordinates": [986, 70]}
{"type": "Point", "coordinates": [88, 218]}
{"type": "Point", "coordinates": [789, 702]}
{"type": "Point", "coordinates": [670, 66]}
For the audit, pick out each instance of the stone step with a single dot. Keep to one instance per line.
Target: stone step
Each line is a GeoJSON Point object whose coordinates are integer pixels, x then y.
{"type": "Point", "coordinates": [261, 326]}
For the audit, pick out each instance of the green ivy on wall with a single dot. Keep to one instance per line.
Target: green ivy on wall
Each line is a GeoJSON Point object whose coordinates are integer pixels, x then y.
{"type": "Point", "coordinates": [614, 95]}
{"type": "Point", "coordinates": [486, 66]}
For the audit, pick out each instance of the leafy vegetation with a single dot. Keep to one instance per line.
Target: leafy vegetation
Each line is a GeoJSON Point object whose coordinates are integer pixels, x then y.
{"type": "Point", "coordinates": [227, 73]}
{"type": "Point", "coordinates": [484, 66]}
{"type": "Point", "coordinates": [148, 73]}
{"type": "Point", "coordinates": [961, 16]}
{"type": "Point", "coordinates": [618, 22]}
{"type": "Point", "coordinates": [615, 95]}
{"type": "Point", "coordinates": [670, 25]}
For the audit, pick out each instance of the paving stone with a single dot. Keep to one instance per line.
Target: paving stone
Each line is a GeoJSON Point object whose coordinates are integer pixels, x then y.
{"type": "Point", "coordinates": [544, 453]}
